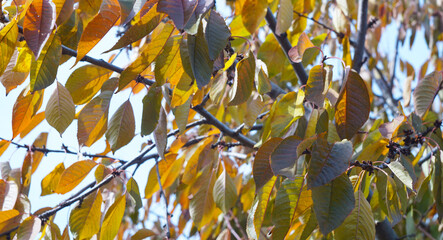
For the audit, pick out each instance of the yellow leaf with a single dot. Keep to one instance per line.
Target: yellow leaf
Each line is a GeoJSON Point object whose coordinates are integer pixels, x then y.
{"type": "Point", "coordinates": [84, 220]}
{"type": "Point", "coordinates": [202, 205]}
{"type": "Point", "coordinates": [73, 175]}
{"type": "Point", "coordinates": [183, 91]}
{"type": "Point", "coordinates": [253, 12]}
{"type": "Point", "coordinates": [25, 107]}
{"type": "Point", "coordinates": [9, 220]}
{"type": "Point", "coordinates": [191, 160]}
{"type": "Point", "coordinates": [11, 78]}
{"type": "Point", "coordinates": [113, 219]}
{"type": "Point", "coordinates": [243, 81]}
{"type": "Point", "coordinates": [8, 39]}
{"type": "Point", "coordinates": [35, 120]}
{"type": "Point", "coordinates": [85, 82]}
{"type": "Point", "coordinates": [168, 64]}
{"type": "Point", "coordinates": [98, 27]}
{"type": "Point", "coordinates": [121, 127]}
{"type": "Point", "coordinates": [60, 110]}
{"type": "Point", "coordinates": [40, 142]}
{"type": "Point", "coordinates": [50, 182]}
{"type": "Point", "coordinates": [148, 54]}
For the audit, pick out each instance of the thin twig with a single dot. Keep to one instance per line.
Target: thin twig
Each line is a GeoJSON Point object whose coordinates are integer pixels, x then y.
{"type": "Point", "coordinates": [162, 194]}
{"type": "Point", "coordinates": [397, 44]}
{"type": "Point", "coordinates": [339, 34]}
{"type": "Point", "coordinates": [231, 229]}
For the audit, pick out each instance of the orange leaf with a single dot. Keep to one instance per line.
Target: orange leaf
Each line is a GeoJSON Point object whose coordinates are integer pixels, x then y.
{"type": "Point", "coordinates": [38, 24]}
{"type": "Point", "coordinates": [37, 156]}
{"type": "Point", "coordinates": [24, 109]}
{"type": "Point", "coordinates": [73, 175]}
{"type": "Point", "coordinates": [98, 27]}
{"type": "Point", "coordinates": [4, 144]}
{"type": "Point", "coordinates": [35, 120]}
{"type": "Point", "coordinates": [9, 220]}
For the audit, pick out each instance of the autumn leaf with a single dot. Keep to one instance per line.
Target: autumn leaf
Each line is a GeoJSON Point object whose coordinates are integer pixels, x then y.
{"type": "Point", "coordinates": [60, 110]}
{"type": "Point", "coordinates": [73, 175]}
{"type": "Point", "coordinates": [121, 127]}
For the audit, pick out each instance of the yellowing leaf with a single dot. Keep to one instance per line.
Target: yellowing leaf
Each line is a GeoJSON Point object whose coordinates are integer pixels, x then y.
{"type": "Point", "coordinates": [8, 39]}
{"type": "Point", "coordinates": [353, 106]}
{"type": "Point", "coordinates": [85, 82]}
{"type": "Point", "coordinates": [60, 110]}
{"type": "Point", "coordinates": [40, 142]}
{"type": "Point", "coordinates": [285, 15]}
{"type": "Point", "coordinates": [243, 81]}
{"type": "Point", "coordinates": [224, 193]}
{"type": "Point", "coordinates": [168, 65]}
{"type": "Point", "coordinates": [253, 12]}
{"type": "Point", "coordinates": [4, 144]}
{"type": "Point", "coordinates": [202, 204]}
{"type": "Point", "coordinates": [296, 52]}
{"type": "Point", "coordinates": [148, 54]}
{"type": "Point", "coordinates": [318, 85]}
{"type": "Point", "coordinates": [50, 182]}
{"type": "Point", "coordinates": [140, 29]}
{"type": "Point", "coordinates": [183, 91]}
{"type": "Point", "coordinates": [26, 105]}
{"type": "Point", "coordinates": [44, 70]}
{"type": "Point", "coordinates": [29, 228]}
{"type": "Point", "coordinates": [93, 119]}
{"type": "Point", "coordinates": [113, 219]}
{"type": "Point", "coordinates": [84, 220]}
{"type": "Point", "coordinates": [10, 77]}
{"type": "Point", "coordinates": [425, 92]}
{"type": "Point", "coordinates": [88, 9]}
{"type": "Point", "coordinates": [38, 24]}
{"type": "Point", "coordinates": [121, 127]}
{"type": "Point", "coordinates": [151, 110]}
{"type": "Point", "coordinates": [98, 27]}
{"type": "Point", "coordinates": [191, 160]}
{"type": "Point", "coordinates": [73, 175]}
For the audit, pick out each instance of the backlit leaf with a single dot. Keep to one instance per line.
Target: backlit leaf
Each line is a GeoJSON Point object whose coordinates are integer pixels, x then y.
{"type": "Point", "coordinates": [285, 15]}
{"type": "Point", "coordinates": [84, 220]}
{"type": "Point", "coordinates": [401, 173]}
{"type": "Point", "coordinates": [317, 85]}
{"type": "Point", "coordinates": [328, 161]}
{"type": "Point", "coordinates": [425, 92]}
{"type": "Point", "coordinates": [360, 223]}
{"type": "Point", "coordinates": [296, 52]}
{"type": "Point", "coordinates": [60, 110]}
{"type": "Point", "coordinates": [8, 38]}
{"type": "Point", "coordinates": [333, 202]}
{"type": "Point", "coordinates": [85, 82]}
{"type": "Point", "coordinates": [25, 107]}
{"type": "Point", "coordinates": [168, 64]}
{"type": "Point", "coordinates": [353, 106]}
{"type": "Point", "coordinates": [243, 81]}
{"type": "Point", "coordinates": [151, 110]}
{"type": "Point", "coordinates": [389, 129]}
{"type": "Point", "coordinates": [29, 228]}
{"type": "Point", "coordinates": [10, 77]}
{"type": "Point", "coordinates": [202, 206]}
{"type": "Point", "coordinates": [50, 182]}
{"type": "Point", "coordinates": [284, 157]}
{"type": "Point", "coordinates": [9, 220]}
{"type": "Point", "coordinates": [73, 175]}
{"type": "Point", "coordinates": [179, 11]}
{"type": "Point", "coordinates": [225, 193]}
{"type": "Point", "coordinates": [160, 133]}
{"type": "Point", "coordinates": [121, 127]}
{"type": "Point", "coordinates": [142, 234]}
{"type": "Point", "coordinates": [44, 70]}
{"type": "Point", "coordinates": [93, 119]}
{"type": "Point", "coordinates": [134, 192]}
{"type": "Point", "coordinates": [113, 219]}
{"type": "Point", "coordinates": [39, 142]}
{"type": "Point", "coordinates": [98, 27]}
{"type": "Point", "coordinates": [38, 24]}
{"type": "Point", "coordinates": [140, 29]}
{"type": "Point", "coordinates": [217, 34]}
{"type": "Point", "coordinates": [201, 63]}
{"type": "Point", "coordinates": [148, 54]}
{"type": "Point", "coordinates": [253, 12]}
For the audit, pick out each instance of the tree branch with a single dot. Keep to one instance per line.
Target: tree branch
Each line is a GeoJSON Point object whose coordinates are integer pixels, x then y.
{"type": "Point", "coordinates": [362, 22]}
{"type": "Point", "coordinates": [162, 194]}
{"type": "Point", "coordinates": [286, 46]}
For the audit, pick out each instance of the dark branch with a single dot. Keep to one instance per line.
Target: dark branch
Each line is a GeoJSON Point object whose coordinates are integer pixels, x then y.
{"type": "Point", "coordinates": [339, 34]}
{"type": "Point", "coordinates": [362, 22]}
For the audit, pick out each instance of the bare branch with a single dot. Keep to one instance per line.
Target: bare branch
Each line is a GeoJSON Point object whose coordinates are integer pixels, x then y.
{"type": "Point", "coordinates": [362, 23]}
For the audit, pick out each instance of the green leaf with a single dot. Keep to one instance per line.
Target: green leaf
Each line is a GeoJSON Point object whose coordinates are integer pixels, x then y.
{"type": "Point", "coordinates": [181, 114]}
{"type": "Point", "coordinates": [317, 85]}
{"type": "Point", "coordinates": [143, 27]}
{"type": "Point", "coordinates": [438, 184]}
{"type": "Point", "coordinates": [8, 38]}
{"type": "Point", "coordinates": [262, 82]}
{"type": "Point", "coordinates": [151, 110]}
{"type": "Point", "coordinates": [333, 202]}
{"type": "Point", "coordinates": [225, 192]}
{"type": "Point", "coordinates": [353, 106]}
{"type": "Point", "coordinates": [243, 81]}
{"type": "Point", "coordinates": [284, 157]}
{"type": "Point", "coordinates": [399, 170]}
{"type": "Point", "coordinates": [201, 64]}
{"type": "Point", "coordinates": [257, 212]}
{"type": "Point", "coordinates": [285, 15]}
{"type": "Point", "coordinates": [84, 220]}
{"type": "Point", "coordinates": [328, 161]}
{"type": "Point", "coordinates": [284, 207]}
{"type": "Point", "coordinates": [29, 228]}
{"type": "Point", "coordinates": [113, 219]}
{"type": "Point", "coordinates": [425, 92]}
{"type": "Point", "coordinates": [272, 54]}
{"type": "Point", "coordinates": [121, 127]}
{"type": "Point", "coordinates": [360, 223]}
{"type": "Point", "coordinates": [134, 192]}
{"type": "Point", "coordinates": [148, 54]}
{"type": "Point", "coordinates": [86, 81]}
{"type": "Point", "coordinates": [253, 12]}
{"type": "Point", "coordinates": [217, 34]}
{"type": "Point", "coordinates": [261, 169]}
{"type": "Point", "coordinates": [44, 69]}
{"type": "Point", "coordinates": [60, 110]}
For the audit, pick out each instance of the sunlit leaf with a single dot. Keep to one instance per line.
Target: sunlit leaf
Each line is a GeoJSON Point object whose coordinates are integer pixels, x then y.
{"type": "Point", "coordinates": [113, 219]}
{"type": "Point", "coordinates": [73, 175]}
{"type": "Point", "coordinates": [225, 193]}
{"type": "Point", "coordinates": [353, 106]}
{"type": "Point", "coordinates": [318, 85]}
{"type": "Point", "coordinates": [134, 192]}
{"type": "Point", "coordinates": [333, 202]}
{"type": "Point", "coordinates": [425, 92]}
{"type": "Point", "coordinates": [147, 55]}
{"type": "Point", "coordinates": [296, 52]}
{"type": "Point", "coordinates": [8, 38]}
{"type": "Point", "coordinates": [38, 24]}
{"type": "Point", "coordinates": [360, 223]}
{"type": "Point", "coordinates": [272, 54]}
{"type": "Point", "coordinates": [243, 81]}
{"type": "Point", "coordinates": [84, 220]}
{"type": "Point", "coordinates": [9, 194]}
{"type": "Point", "coordinates": [285, 15]}
{"type": "Point", "coordinates": [10, 77]}
{"type": "Point", "coordinates": [389, 129]}
{"type": "Point", "coordinates": [40, 142]}
{"type": "Point", "coordinates": [142, 234]}
{"type": "Point", "coordinates": [201, 63]}
{"type": "Point", "coordinates": [284, 157]}
{"type": "Point", "coordinates": [88, 9]}
{"type": "Point", "coordinates": [9, 220]}
{"type": "Point", "coordinates": [25, 107]}
{"type": "Point", "coordinates": [4, 144]}
{"type": "Point", "coordinates": [399, 170]}
{"type": "Point", "coordinates": [168, 64]}
{"type": "Point", "coordinates": [50, 182]}
{"type": "Point", "coordinates": [60, 110]}
{"type": "Point", "coordinates": [98, 27]}
{"type": "Point", "coordinates": [253, 12]}
{"type": "Point", "coordinates": [178, 11]}
{"type": "Point", "coordinates": [44, 70]}
{"type": "Point", "coordinates": [121, 127]}
{"type": "Point", "coordinates": [202, 204]}
{"type": "Point", "coordinates": [85, 82]}
{"type": "Point", "coordinates": [217, 34]}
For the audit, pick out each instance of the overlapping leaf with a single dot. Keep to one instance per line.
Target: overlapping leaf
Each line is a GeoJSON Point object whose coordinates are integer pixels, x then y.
{"type": "Point", "coordinates": [29, 228]}
{"type": "Point", "coordinates": [285, 15]}
{"type": "Point", "coordinates": [296, 52]}
{"type": "Point", "coordinates": [202, 205]}
{"type": "Point", "coordinates": [243, 81]}
{"type": "Point", "coordinates": [11, 78]}
{"type": "Point", "coordinates": [73, 175]}
{"type": "Point", "coordinates": [60, 110]}
{"type": "Point", "coordinates": [168, 64]}
{"type": "Point", "coordinates": [50, 182]}
{"type": "Point", "coordinates": [151, 110]}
